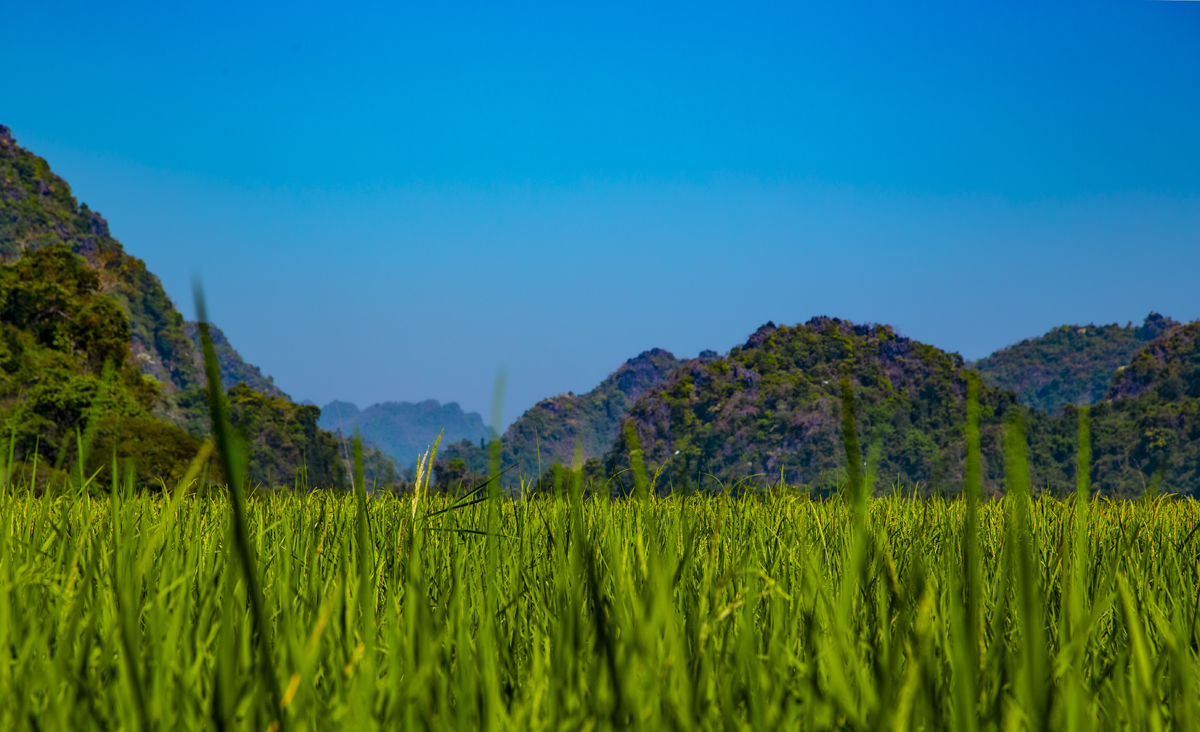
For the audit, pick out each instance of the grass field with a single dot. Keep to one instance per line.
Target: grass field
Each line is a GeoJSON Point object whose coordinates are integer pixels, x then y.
{"type": "Point", "coordinates": [757, 612]}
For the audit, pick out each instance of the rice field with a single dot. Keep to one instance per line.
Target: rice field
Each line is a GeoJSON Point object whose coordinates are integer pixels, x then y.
{"type": "Point", "coordinates": [763, 611]}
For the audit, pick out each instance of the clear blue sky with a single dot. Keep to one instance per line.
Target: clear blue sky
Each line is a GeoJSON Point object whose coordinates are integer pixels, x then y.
{"type": "Point", "coordinates": [391, 202]}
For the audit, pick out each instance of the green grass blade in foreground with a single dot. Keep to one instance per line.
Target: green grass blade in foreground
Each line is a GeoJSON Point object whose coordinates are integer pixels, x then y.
{"type": "Point", "coordinates": [1034, 686]}
{"type": "Point", "coordinates": [854, 466]}
{"type": "Point", "coordinates": [233, 460]}
{"type": "Point", "coordinates": [364, 680]}
{"type": "Point", "coordinates": [636, 463]}
{"type": "Point", "coordinates": [966, 607]}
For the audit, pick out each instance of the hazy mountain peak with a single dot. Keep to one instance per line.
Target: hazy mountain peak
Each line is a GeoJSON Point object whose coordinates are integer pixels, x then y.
{"type": "Point", "coordinates": [404, 430]}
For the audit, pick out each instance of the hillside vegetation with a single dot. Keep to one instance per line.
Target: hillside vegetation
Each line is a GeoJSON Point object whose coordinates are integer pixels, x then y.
{"type": "Point", "coordinates": [76, 307]}
{"type": "Point", "coordinates": [1072, 364]}
{"type": "Point", "coordinates": [1148, 434]}
{"type": "Point", "coordinates": [771, 410]}
{"type": "Point", "coordinates": [66, 369]}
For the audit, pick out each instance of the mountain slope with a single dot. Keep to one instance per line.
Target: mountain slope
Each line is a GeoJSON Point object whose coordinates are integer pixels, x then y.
{"type": "Point", "coordinates": [772, 407]}
{"type": "Point", "coordinates": [66, 368]}
{"type": "Point", "coordinates": [74, 300]}
{"type": "Point", "coordinates": [38, 210]}
{"type": "Point", "coordinates": [1148, 433]}
{"type": "Point", "coordinates": [1070, 364]}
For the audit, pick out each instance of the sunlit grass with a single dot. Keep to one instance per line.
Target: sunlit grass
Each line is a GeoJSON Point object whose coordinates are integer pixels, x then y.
{"type": "Point", "coordinates": [685, 612]}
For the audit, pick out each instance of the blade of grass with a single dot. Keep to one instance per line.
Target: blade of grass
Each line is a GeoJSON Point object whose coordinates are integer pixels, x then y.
{"type": "Point", "coordinates": [233, 460]}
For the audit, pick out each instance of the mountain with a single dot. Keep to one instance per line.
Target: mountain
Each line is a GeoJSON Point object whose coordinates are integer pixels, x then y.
{"type": "Point", "coordinates": [66, 368]}
{"type": "Point", "coordinates": [549, 431]}
{"type": "Point", "coordinates": [773, 406]}
{"type": "Point", "coordinates": [1148, 432]}
{"type": "Point", "coordinates": [404, 430]}
{"type": "Point", "coordinates": [90, 340]}
{"type": "Point", "coordinates": [37, 210]}
{"type": "Point", "coordinates": [1071, 364]}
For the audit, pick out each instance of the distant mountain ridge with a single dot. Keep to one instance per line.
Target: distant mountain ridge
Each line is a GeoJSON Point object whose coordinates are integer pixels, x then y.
{"type": "Point", "coordinates": [1072, 364]}
{"type": "Point", "coordinates": [404, 430]}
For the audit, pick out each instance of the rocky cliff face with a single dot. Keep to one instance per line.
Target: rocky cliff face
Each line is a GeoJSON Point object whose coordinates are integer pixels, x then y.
{"type": "Point", "coordinates": [549, 431]}
{"type": "Point", "coordinates": [554, 426]}
{"type": "Point", "coordinates": [234, 369]}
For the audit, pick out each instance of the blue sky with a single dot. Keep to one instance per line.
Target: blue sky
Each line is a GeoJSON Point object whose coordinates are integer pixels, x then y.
{"type": "Point", "coordinates": [393, 201]}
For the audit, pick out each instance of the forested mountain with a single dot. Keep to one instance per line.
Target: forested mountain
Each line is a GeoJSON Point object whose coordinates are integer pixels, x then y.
{"type": "Point", "coordinates": [1072, 364]}
{"type": "Point", "coordinates": [37, 210]}
{"type": "Point", "coordinates": [549, 431]}
{"type": "Point", "coordinates": [404, 430]}
{"type": "Point", "coordinates": [773, 407]}
{"type": "Point", "coordinates": [1148, 433]}
{"type": "Point", "coordinates": [88, 336]}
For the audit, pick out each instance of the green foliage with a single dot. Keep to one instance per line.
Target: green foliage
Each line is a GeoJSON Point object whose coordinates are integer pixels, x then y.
{"type": "Point", "coordinates": [772, 410]}
{"type": "Point", "coordinates": [452, 476]}
{"type": "Point", "coordinates": [764, 611]}
{"type": "Point", "coordinates": [561, 479]}
{"type": "Point", "coordinates": [153, 449]}
{"type": "Point", "coordinates": [72, 300]}
{"type": "Point", "coordinates": [37, 210]}
{"type": "Point", "coordinates": [1150, 429]}
{"type": "Point", "coordinates": [64, 364]}
{"type": "Point", "coordinates": [284, 443]}
{"type": "Point", "coordinates": [1069, 365]}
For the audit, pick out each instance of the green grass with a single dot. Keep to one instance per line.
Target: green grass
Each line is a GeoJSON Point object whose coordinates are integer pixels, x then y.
{"type": "Point", "coordinates": [130, 612]}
